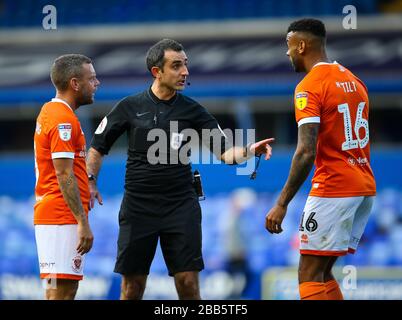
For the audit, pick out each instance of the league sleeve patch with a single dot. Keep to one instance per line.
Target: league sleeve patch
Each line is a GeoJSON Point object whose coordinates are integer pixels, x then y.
{"type": "Point", "coordinates": [65, 131]}
{"type": "Point", "coordinates": [102, 126]}
{"type": "Point", "coordinates": [301, 99]}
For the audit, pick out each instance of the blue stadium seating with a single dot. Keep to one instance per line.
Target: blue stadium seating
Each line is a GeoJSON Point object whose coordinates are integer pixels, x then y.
{"type": "Point", "coordinates": [381, 244]}
{"type": "Point", "coordinates": [27, 13]}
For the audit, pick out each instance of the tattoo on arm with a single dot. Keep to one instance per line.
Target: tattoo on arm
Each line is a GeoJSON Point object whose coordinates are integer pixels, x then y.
{"type": "Point", "coordinates": [70, 180]}
{"type": "Point", "coordinates": [302, 162]}
{"type": "Point", "coordinates": [94, 161]}
{"type": "Point", "coordinates": [69, 189]}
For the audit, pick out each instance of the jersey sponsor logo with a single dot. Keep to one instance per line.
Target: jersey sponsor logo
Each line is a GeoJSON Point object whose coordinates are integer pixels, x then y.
{"type": "Point", "coordinates": [301, 100]}
{"type": "Point", "coordinates": [361, 161]}
{"type": "Point", "coordinates": [77, 264]}
{"type": "Point", "coordinates": [304, 238]}
{"type": "Point", "coordinates": [83, 152]}
{"type": "Point", "coordinates": [177, 139]}
{"type": "Point", "coordinates": [47, 265]}
{"type": "Point", "coordinates": [65, 131]}
{"type": "Point", "coordinates": [102, 126]}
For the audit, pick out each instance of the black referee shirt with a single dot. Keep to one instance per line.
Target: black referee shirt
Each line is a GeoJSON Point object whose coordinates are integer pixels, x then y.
{"type": "Point", "coordinates": [135, 115]}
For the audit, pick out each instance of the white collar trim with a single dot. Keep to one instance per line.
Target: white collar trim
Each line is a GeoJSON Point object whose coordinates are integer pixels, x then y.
{"type": "Point", "coordinates": [324, 63]}
{"type": "Point", "coordinates": [62, 101]}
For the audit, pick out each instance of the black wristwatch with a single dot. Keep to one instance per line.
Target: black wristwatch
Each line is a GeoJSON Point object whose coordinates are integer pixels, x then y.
{"type": "Point", "coordinates": [91, 177]}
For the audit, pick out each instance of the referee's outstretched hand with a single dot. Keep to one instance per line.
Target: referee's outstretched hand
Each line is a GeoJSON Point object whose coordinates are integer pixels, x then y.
{"type": "Point", "coordinates": [94, 193]}
{"type": "Point", "coordinates": [262, 147]}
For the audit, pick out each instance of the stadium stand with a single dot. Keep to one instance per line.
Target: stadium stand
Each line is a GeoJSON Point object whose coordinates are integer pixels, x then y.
{"type": "Point", "coordinates": [19, 14]}
{"type": "Point", "coordinates": [227, 81]}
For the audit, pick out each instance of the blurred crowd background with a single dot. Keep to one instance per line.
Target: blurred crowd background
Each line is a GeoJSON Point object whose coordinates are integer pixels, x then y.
{"type": "Point", "coordinates": [240, 72]}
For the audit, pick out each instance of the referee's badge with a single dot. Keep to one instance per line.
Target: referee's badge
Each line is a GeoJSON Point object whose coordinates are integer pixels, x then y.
{"type": "Point", "coordinates": [301, 100]}
{"type": "Point", "coordinates": [176, 140]}
{"type": "Point", "coordinates": [102, 126]}
{"type": "Point", "coordinates": [65, 131]}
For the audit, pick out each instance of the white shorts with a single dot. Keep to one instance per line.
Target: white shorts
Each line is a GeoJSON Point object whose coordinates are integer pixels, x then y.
{"type": "Point", "coordinates": [333, 226]}
{"type": "Point", "coordinates": [58, 257]}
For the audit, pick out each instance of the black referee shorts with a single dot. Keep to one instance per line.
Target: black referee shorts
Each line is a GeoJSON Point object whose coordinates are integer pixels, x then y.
{"type": "Point", "coordinates": [145, 220]}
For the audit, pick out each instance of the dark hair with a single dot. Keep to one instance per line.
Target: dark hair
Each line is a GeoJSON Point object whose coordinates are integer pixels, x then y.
{"type": "Point", "coordinates": [156, 54]}
{"type": "Point", "coordinates": [66, 67]}
{"type": "Point", "coordinates": [313, 26]}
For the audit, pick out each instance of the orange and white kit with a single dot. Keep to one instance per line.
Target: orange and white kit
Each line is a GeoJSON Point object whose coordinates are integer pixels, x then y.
{"type": "Point", "coordinates": [58, 135]}
{"type": "Point", "coordinates": [58, 257]}
{"type": "Point", "coordinates": [333, 226]}
{"type": "Point", "coordinates": [343, 185]}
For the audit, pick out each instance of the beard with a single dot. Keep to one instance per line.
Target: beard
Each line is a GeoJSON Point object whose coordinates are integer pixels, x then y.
{"type": "Point", "coordinates": [297, 65]}
{"type": "Point", "coordinates": [85, 98]}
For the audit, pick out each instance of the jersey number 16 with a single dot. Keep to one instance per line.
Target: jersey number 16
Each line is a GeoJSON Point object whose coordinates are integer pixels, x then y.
{"type": "Point", "coordinates": [351, 143]}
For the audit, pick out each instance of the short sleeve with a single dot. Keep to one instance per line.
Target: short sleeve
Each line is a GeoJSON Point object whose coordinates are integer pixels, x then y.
{"type": "Point", "coordinates": [307, 103]}
{"type": "Point", "coordinates": [62, 136]}
{"type": "Point", "coordinates": [110, 128]}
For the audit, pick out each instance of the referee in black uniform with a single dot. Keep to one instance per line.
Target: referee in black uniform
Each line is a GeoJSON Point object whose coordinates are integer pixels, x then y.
{"type": "Point", "coordinates": [159, 199]}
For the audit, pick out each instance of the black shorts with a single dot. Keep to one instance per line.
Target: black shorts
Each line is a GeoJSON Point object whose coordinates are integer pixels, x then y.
{"type": "Point", "coordinates": [176, 223]}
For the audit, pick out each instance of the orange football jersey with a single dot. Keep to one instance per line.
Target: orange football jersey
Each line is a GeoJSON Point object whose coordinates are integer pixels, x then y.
{"type": "Point", "coordinates": [58, 134]}
{"type": "Point", "coordinates": [334, 97]}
